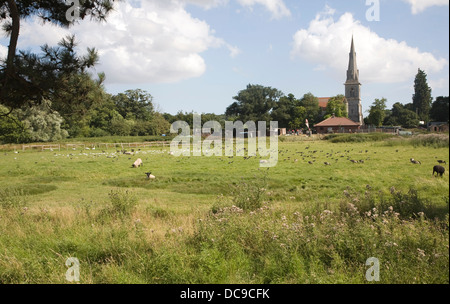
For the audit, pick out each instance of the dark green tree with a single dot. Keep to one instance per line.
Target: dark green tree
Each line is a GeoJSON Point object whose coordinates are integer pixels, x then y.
{"type": "Point", "coordinates": [440, 109]}
{"type": "Point", "coordinates": [27, 78]}
{"type": "Point", "coordinates": [255, 103]}
{"type": "Point", "coordinates": [311, 105]}
{"type": "Point", "coordinates": [134, 104]}
{"type": "Point", "coordinates": [422, 96]}
{"type": "Point", "coordinates": [377, 112]}
{"type": "Point", "coordinates": [401, 115]}
{"type": "Point", "coordinates": [284, 110]}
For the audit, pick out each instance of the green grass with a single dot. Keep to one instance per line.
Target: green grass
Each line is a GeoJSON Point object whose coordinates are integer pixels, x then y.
{"type": "Point", "coordinates": [225, 220]}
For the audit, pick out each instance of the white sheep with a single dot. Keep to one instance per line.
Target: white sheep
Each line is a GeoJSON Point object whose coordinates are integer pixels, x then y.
{"type": "Point", "coordinates": [137, 163]}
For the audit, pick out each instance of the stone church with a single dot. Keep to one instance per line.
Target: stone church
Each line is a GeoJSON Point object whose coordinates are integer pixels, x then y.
{"type": "Point", "coordinates": [352, 90]}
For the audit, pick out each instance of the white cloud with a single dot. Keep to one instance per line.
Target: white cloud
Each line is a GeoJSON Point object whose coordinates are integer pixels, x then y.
{"type": "Point", "coordinates": [439, 83]}
{"type": "Point", "coordinates": [153, 42]}
{"type": "Point", "coordinates": [418, 6]}
{"type": "Point", "coordinates": [3, 52]}
{"type": "Point", "coordinates": [276, 7]}
{"type": "Point", "coordinates": [327, 43]}
{"type": "Point", "coordinates": [207, 4]}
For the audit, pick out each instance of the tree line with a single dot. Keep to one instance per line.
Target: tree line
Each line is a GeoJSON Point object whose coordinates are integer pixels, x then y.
{"type": "Point", "coordinates": [421, 109]}
{"type": "Point", "coordinates": [51, 95]}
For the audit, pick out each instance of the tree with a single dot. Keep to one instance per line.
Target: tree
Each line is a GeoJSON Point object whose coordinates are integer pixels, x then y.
{"type": "Point", "coordinates": [12, 130]}
{"type": "Point", "coordinates": [284, 110]}
{"type": "Point", "coordinates": [422, 96]}
{"type": "Point", "coordinates": [440, 109]}
{"type": "Point", "coordinates": [42, 123]}
{"type": "Point", "coordinates": [377, 112]}
{"type": "Point", "coordinates": [311, 105]}
{"type": "Point", "coordinates": [298, 118]}
{"type": "Point", "coordinates": [134, 104]}
{"type": "Point", "coordinates": [255, 103]}
{"type": "Point", "coordinates": [336, 106]}
{"type": "Point", "coordinates": [401, 115]}
{"type": "Point", "coordinates": [27, 78]}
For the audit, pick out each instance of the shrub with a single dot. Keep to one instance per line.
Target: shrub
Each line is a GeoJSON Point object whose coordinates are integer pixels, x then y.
{"type": "Point", "coordinates": [122, 202]}
{"type": "Point", "coordinates": [347, 138]}
{"type": "Point", "coordinates": [12, 198]}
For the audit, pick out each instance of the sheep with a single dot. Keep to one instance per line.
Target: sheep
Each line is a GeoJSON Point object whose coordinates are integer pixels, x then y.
{"type": "Point", "coordinates": [327, 164]}
{"type": "Point", "coordinates": [439, 170]}
{"type": "Point", "coordinates": [442, 162]}
{"type": "Point", "coordinates": [412, 160]}
{"type": "Point", "coordinates": [137, 163]}
{"type": "Point", "coordinates": [149, 175]}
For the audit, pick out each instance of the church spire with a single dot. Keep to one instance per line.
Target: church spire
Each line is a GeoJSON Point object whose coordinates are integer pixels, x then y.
{"type": "Point", "coordinates": [352, 72]}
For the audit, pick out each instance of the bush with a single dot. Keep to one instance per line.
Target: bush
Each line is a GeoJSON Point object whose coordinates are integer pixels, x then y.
{"type": "Point", "coordinates": [431, 140]}
{"type": "Point", "coordinates": [12, 130]}
{"type": "Point", "coordinates": [12, 198]}
{"type": "Point", "coordinates": [407, 205]}
{"type": "Point", "coordinates": [122, 202]}
{"type": "Point", "coordinates": [347, 138]}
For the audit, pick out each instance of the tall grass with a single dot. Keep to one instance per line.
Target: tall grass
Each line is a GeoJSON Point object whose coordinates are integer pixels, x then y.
{"type": "Point", "coordinates": [269, 244]}
{"type": "Point", "coordinates": [422, 140]}
{"type": "Point", "coordinates": [357, 138]}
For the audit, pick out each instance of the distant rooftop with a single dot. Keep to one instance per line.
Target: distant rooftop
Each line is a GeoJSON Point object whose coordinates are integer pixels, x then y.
{"type": "Point", "coordinates": [337, 121]}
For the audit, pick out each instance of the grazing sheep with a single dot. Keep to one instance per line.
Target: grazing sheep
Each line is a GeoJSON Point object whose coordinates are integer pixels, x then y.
{"type": "Point", "coordinates": [149, 175]}
{"type": "Point", "coordinates": [353, 161]}
{"type": "Point", "coordinates": [412, 160]}
{"type": "Point", "coordinates": [327, 164]}
{"type": "Point", "coordinates": [137, 163]}
{"type": "Point", "coordinates": [439, 170]}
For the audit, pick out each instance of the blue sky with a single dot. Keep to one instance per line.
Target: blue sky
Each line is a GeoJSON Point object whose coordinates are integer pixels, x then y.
{"type": "Point", "coordinates": [198, 54]}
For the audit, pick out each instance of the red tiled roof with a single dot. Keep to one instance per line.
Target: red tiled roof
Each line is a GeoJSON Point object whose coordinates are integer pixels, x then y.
{"type": "Point", "coordinates": [323, 101]}
{"type": "Point", "coordinates": [336, 122]}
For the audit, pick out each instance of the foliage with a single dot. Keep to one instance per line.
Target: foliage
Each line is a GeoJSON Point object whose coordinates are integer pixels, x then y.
{"type": "Point", "coordinates": [440, 109]}
{"type": "Point", "coordinates": [400, 115]}
{"type": "Point", "coordinates": [134, 104]}
{"type": "Point", "coordinates": [254, 103]}
{"type": "Point", "coordinates": [311, 104]}
{"type": "Point", "coordinates": [122, 202]}
{"type": "Point", "coordinates": [42, 123]}
{"type": "Point", "coordinates": [336, 106]}
{"type": "Point", "coordinates": [27, 77]}
{"type": "Point", "coordinates": [12, 130]}
{"type": "Point", "coordinates": [348, 138]}
{"type": "Point", "coordinates": [422, 96]}
{"type": "Point", "coordinates": [377, 112]}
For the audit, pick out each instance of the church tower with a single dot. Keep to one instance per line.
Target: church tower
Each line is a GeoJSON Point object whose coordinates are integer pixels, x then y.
{"type": "Point", "coordinates": [353, 89]}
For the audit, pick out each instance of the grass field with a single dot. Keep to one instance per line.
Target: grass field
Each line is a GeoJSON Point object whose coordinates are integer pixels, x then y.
{"type": "Point", "coordinates": [225, 220]}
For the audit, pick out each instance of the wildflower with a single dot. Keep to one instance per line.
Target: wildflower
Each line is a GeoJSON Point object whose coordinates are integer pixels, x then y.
{"type": "Point", "coordinates": [421, 252]}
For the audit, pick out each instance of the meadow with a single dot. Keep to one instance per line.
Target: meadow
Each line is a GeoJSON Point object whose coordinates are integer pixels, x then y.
{"type": "Point", "coordinates": [225, 219]}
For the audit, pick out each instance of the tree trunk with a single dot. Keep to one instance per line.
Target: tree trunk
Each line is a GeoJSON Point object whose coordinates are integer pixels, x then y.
{"type": "Point", "coordinates": [14, 12]}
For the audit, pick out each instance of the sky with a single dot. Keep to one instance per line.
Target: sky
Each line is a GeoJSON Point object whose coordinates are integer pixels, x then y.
{"type": "Point", "coordinates": [195, 55]}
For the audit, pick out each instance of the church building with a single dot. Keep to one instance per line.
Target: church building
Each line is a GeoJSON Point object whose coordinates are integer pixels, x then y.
{"type": "Point", "coordinates": [353, 100]}
{"type": "Point", "coordinates": [353, 89]}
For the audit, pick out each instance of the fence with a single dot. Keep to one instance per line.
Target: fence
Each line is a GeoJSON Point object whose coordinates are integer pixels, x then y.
{"type": "Point", "coordinates": [84, 146]}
